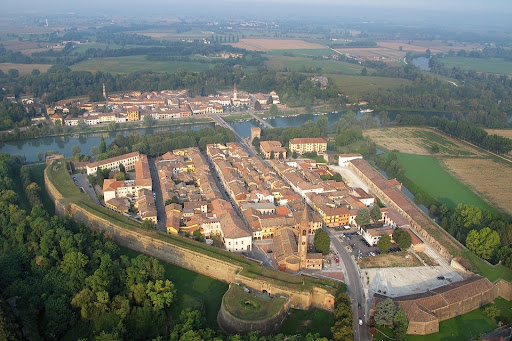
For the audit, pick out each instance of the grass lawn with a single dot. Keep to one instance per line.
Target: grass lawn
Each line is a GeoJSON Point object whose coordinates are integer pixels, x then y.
{"type": "Point", "coordinates": [303, 52]}
{"type": "Point", "coordinates": [491, 272]}
{"type": "Point", "coordinates": [492, 65]}
{"type": "Point", "coordinates": [128, 64]}
{"type": "Point", "coordinates": [248, 306]}
{"type": "Point", "coordinates": [462, 327]}
{"type": "Point", "coordinates": [309, 321]}
{"type": "Point", "coordinates": [353, 85]}
{"type": "Point", "coordinates": [298, 64]}
{"type": "Point", "coordinates": [195, 291]}
{"type": "Point", "coordinates": [426, 172]}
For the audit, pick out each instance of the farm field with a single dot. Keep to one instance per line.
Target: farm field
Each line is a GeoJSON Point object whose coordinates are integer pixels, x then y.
{"type": "Point", "coordinates": [491, 65]}
{"type": "Point", "coordinates": [136, 63]}
{"type": "Point", "coordinates": [380, 53]}
{"type": "Point", "coordinates": [427, 172]}
{"type": "Point", "coordinates": [265, 44]}
{"type": "Point", "coordinates": [302, 52]}
{"type": "Point", "coordinates": [500, 132]}
{"type": "Point", "coordinates": [489, 178]}
{"type": "Point", "coordinates": [298, 64]}
{"type": "Point", "coordinates": [395, 45]}
{"type": "Point", "coordinates": [24, 69]}
{"type": "Point", "coordinates": [353, 85]}
{"type": "Point", "coordinates": [419, 141]}
{"type": "Point", "coordinates": [455, 173]}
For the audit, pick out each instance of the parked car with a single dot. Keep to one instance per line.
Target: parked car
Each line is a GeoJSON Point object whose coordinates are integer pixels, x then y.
{"type": "Point", "coordinates": [360, 321]}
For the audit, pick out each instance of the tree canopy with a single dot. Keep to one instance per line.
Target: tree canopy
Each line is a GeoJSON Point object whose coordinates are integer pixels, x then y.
{"type": "Point", "coordinates": [402, 238]}
{"type": "Point", "coordinates": [483, 243]}
{"type": "Point", "coordinates": [322, 241]}
{"type": "Point", "coordinates": [363, 217]}
{"type": "Point", "coordinates": [384, 243]}
{"type": "Point", "coordinates": [384, 312]}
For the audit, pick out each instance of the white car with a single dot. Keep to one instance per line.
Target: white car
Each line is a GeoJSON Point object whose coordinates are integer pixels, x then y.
{"type": "Point", "coordinates": [360, 321]}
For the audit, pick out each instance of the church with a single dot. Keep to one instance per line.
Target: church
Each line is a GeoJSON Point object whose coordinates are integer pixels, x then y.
{"type": "Point", "coordinates": [291, 247]}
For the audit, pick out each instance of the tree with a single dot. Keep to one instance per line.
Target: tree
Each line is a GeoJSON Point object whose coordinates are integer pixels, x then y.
{"type": "Point", "coordinates": [257, 105]}
{"type": "Point", "coordinates": [402, 238]}
{"type": "Point", "coordinates": [323, 125]}
{"type": "Point", "coordinates": [173, 200]}
{"type": "Point", "coordinates": [322, 241]}
{"type": "Point", "coordinates": [270, 100]}
{"type": "Point", "coordinates": [76, 150]}
{"type": "Point", "coordinates": [400, 324]}
{"type": "Point", "coordinates": [13, 73]}
{"type": "Point", "coordinates": [99, 178]}
{"type": "Point", "coordinates": [492, 312]}
{"type": "Point", "coordinates": [434, 148]}
{"type": "Point", "coordinates": [384, 243]}
{"type": "Point", "coordinates": [119, 176]}
{"type": "Point", "coordinates": [363, 217]}
{"type": "Point", "coordinates": [384, 312]}
{"type": "Point", "coordinates": [484, 243]}
{"type": "Point", "coordinates": [103, 146]}
{"type": "Point", "coordinates": [147, 225]}
{"type": "Point", "coordinates": [149, 121]}
{"type": "Point", "coordinates": [40, 156]}
{"type": "Point", "coordinates": [273, 109]}
{"type": "Point", "coordinates": [364, 72]}
{"type": "Point", "coordinates": [375, 213]}
{"type": "Point", "coordinates": [384, 118]}
{"type": "Point", "coordinates": [160, 293]}
{"type": "Point", "coordinates": [256, 142]}
{"type": "Point", "coordinates": [272, 155]}
{"type": "Point", "coordinates": [122, 169]}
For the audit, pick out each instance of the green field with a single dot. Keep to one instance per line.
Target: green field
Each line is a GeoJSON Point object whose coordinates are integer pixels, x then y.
{"type": "Point", "coordinates": [128, 64]}
{"type": "Point", "coordinates": [425, 171]}
{"type": "Point", "coordinates": [352, 85]}
{"type": "Point", "coordinates": [463, 327]}
{"type": "Point", "coordinates": [298, 64]}
{"type": "Point", "coordinates": [308, 321]}
{"type": "Point", "coordinates": [248, 306]}
{"type": "Point", "coordinates": [303, 52]}
{"type": "Point", "coordinates": [195, 291]}
{"type": "Point", "coordinates": [492, 65]}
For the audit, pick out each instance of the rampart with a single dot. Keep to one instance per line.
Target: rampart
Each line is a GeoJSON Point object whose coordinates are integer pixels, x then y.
{"type": "Point", "coordinates": [234, 325]}
{"type": "Point", "coordinates": [422, 225]}
{"type": "Point", "coordinates": [147, 243]}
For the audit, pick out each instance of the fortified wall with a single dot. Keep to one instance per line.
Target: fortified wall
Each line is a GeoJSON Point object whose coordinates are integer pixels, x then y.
{"type": "Point", "coordinates": [396, 199]}
{"type": "Point", "coordinates": [144, 242]}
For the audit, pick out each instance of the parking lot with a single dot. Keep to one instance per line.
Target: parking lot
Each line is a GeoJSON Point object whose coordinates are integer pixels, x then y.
{"type": "Point", "coordinates": [358, 247]}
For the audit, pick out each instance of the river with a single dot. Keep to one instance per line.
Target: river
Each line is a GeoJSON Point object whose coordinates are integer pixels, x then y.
{"type": "Point", "coordinates": [30, 148]}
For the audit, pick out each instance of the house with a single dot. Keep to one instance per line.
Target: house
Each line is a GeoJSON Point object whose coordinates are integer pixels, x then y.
{"type": "Point", "coordinates": [127, 160]}
{"type": "Point", "coordinates": [373, 234]}
{"type": "Point", "coordinates": [308, 145]}
{"type": "Point", "coordinates": [272, 149]}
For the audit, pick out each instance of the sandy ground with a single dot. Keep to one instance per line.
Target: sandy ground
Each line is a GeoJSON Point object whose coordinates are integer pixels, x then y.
{"type": "Point", "coordinates": [373, 52]}
{"type": "Point", "coordinates": [265, 44]}
{"type": "Point", "coordinates": [488, 178]}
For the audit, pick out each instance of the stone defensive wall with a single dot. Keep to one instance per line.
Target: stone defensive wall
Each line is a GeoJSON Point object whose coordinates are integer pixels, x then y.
{"type": "Point", "coordinates": [163, 247]}
{"type": "Point", "coordinates": [435, 236]}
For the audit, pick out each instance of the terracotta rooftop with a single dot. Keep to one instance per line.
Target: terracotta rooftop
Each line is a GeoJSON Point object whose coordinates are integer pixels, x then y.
{"type": "Point", "coordinates": [307, 140]}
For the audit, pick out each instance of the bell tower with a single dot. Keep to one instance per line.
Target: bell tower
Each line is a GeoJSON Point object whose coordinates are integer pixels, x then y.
{"type": "Point", "coordinates": [304, 227]}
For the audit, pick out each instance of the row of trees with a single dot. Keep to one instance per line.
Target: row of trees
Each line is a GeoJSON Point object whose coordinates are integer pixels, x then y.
{"type": "Point", "coordinates": [388, 314]}
{"type": "Point", "coordinates": [467, 132]}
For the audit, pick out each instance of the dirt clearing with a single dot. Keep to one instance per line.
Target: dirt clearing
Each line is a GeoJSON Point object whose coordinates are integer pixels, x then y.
{"type": "Point", "coordinates": [399, 259]}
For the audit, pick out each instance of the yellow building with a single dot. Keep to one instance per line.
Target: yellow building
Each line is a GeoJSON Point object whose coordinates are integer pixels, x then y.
{"type": "Point", "coordinates": [308, 145]}
{"type": "Point", "coordinates": [133, 114]}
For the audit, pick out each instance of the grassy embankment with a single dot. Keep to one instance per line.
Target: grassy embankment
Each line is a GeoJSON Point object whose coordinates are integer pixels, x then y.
{"type": "Point", "coordinates": [248, 306]}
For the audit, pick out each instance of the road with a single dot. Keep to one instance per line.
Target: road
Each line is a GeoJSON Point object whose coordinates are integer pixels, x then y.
{"type": "Point", "coordinates": [354, 286]}
{"type": "Point", "coordinates": [159, 200]}
{"type": "Point", "coordinates": [354, 289]}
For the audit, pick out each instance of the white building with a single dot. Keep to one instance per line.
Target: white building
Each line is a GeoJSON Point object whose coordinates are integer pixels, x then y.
{"type": "Point", "coordinates": [127, 160]}
{"type": "Point", "coordinates": [344, 159]}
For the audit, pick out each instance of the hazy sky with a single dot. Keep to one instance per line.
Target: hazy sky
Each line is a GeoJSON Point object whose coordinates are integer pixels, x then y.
{"type": "Point", "coordinates": [472, 11]}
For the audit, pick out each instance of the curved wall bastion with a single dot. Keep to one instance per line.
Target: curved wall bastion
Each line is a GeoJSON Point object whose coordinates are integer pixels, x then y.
{"type": "Point", "coordinates": [242, 312]}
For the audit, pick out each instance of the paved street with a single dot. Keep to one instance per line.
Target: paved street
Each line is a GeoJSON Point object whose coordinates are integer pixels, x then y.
{"type": "Point", "coordinates": [354, 289]}
{"type": "Point", "coordinates": [82, 182]}
{"type": "Point", "coordinates": [159, 200]}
